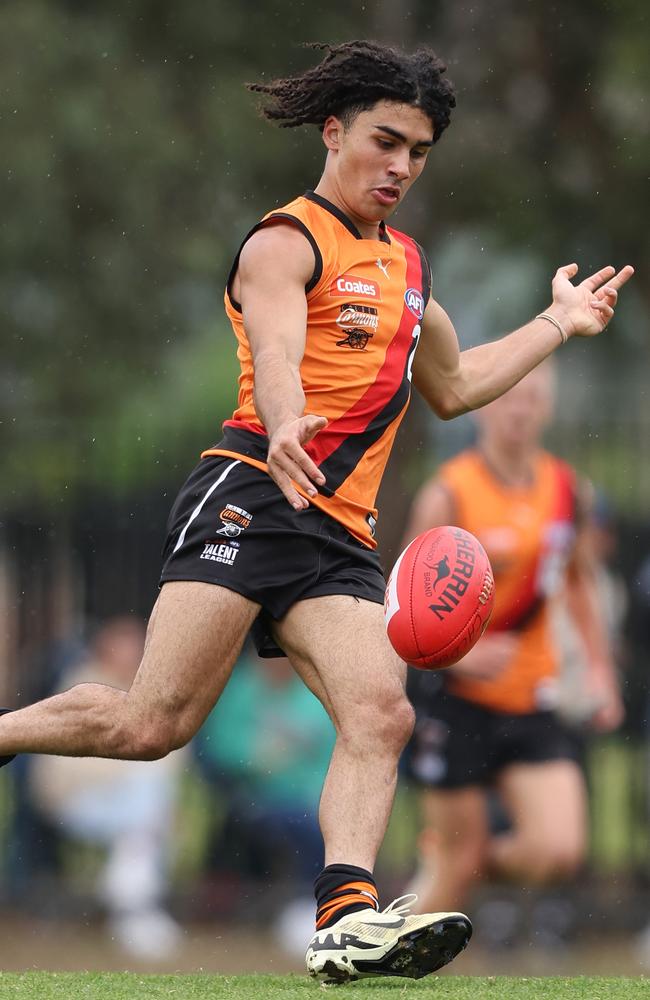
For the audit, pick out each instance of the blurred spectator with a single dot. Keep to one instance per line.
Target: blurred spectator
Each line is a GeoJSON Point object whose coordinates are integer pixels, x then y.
{"type": "Point", "coordinates": [127, 807]}
{"type": "Point", "coordinates": [266, 746]}
{"type": "Point", "coordinates": [489, 722]}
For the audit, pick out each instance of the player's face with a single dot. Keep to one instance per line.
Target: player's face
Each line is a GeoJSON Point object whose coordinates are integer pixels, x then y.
{"type": "Point", "coordinates": [517, 419]}
{"type": "Point", "coordinates": [372, 164]}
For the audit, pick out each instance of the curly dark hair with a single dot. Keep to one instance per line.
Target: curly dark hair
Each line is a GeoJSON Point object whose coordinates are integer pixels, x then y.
{"type": "Point", "coordinates": [352, 78]}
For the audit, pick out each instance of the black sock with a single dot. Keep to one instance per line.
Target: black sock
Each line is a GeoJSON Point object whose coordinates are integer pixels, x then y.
{"type": "Point", "coordinates": [343, 889]}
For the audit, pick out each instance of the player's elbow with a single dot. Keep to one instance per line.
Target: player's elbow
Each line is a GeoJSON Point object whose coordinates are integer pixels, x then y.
{"type": "Point", "coordinates": [445, 396]}
{"type": "Point", "coordinates": [447, 404]}
{"type": "Point", "coordinates": [449, 410]}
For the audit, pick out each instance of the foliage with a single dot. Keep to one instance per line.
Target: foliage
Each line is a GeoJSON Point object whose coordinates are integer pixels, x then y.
{"type": "Point", "coordinates": [134, 161]}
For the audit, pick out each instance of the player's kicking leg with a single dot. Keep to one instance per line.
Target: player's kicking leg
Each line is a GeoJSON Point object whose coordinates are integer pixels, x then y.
{"type": "Point", "coordinates": [339, 646]}
{"type": "Point", "coordinates": [194, 637]}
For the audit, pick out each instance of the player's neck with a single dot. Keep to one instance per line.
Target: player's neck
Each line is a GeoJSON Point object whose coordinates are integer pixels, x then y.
{"type": "Point", "coordinates": [329, 190]}
{"type": "Point", "coordinates": [514, 467]}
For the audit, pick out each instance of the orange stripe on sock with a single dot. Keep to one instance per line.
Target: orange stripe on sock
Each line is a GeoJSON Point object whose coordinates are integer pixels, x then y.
{"type": "Point", "coordinates": [361, 886]}
{"type": "Point", "coordinates": [329, 909]}
{"type": "Point", "coordinates": [365, 888]}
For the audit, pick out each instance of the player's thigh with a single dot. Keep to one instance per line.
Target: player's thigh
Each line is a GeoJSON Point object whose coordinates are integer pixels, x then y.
{"type": "Point", "coordinates": [546, 803]}
{"type": "Point", "coordinates": [338, 644]}
{"type": "Point", "coordinates": [195, 634]}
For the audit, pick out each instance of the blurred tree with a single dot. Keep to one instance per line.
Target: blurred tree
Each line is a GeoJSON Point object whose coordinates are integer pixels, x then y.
{"type": "Point", "coordinates": [134, 161]}
{"type": "Point", "coordinates": [545, 162]}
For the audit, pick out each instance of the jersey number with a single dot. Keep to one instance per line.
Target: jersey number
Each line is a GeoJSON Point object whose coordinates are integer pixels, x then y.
{"type": "Point", "coordinates": [417, 330]}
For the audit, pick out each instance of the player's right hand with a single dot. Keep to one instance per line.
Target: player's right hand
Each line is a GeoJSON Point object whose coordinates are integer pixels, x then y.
{"type": "Point", "coordinates": [288, 462]}
{"type": "Point", "coordinates": [488, 658]}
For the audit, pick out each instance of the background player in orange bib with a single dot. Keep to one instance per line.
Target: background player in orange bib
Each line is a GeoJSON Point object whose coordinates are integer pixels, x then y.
{"type": "Point", "coordinates": [274, 528]}
{"type": "Point", "coordinates": [488, 721]}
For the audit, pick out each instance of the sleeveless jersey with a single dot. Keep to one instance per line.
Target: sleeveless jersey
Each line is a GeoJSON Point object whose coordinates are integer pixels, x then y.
{"type": "Point", "coordinates": [365, 303]}
{"type": "Point", "coordinates": [528, 534]}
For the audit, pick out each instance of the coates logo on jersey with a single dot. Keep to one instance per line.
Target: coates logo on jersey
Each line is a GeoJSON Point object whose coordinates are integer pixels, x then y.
{"type": "Point", "coordinates": [415, 302]}
{"type": "Point", "coordinates": [351, 285]}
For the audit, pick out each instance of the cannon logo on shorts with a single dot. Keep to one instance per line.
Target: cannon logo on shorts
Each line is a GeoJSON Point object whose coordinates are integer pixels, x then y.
{"type": "Point", "coordinates": [352, 285]}
{"type": "Point", "coordinates": [234, 520]}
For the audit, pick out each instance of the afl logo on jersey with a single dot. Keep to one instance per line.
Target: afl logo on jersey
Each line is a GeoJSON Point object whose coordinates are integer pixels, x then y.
{"type": "Point", "coordinates": [415, 302]}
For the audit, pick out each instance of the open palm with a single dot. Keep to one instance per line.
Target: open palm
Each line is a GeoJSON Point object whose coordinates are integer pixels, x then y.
{"type": "Point", "coordinates": [588, 307]}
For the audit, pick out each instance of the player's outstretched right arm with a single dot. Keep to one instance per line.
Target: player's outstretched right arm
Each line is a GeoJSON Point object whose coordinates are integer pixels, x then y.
{"type": "Point", "coordinates": [274, 267]}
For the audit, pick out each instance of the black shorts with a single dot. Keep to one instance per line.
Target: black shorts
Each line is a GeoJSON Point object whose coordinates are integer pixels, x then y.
{"type": "Point", "coordinates": [232, 526]}
{"type": "Point", "coordinates": [457, 743]}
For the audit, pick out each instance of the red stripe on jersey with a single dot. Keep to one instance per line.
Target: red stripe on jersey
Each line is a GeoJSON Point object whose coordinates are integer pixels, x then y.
{"type": "Point", "coordinates": [390, 375]}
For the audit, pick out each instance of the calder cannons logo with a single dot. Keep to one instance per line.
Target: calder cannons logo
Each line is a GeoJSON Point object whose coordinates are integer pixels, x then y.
{"type": "Point", "coordinates": [357, 321]}
{"type": "Point", "coordinates": [448, 585]}
{"type": "Point", "coordinates": [234, 520]}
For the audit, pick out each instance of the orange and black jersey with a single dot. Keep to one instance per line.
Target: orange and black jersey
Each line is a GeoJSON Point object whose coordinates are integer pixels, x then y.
{"type": "Point", "coordinates": [528, 533]}
{"type": "Point", "coordinates": [365, 302]}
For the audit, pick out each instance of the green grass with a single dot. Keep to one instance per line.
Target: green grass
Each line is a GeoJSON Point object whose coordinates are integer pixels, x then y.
{"type": "Point", "coordinates": [129, 986]}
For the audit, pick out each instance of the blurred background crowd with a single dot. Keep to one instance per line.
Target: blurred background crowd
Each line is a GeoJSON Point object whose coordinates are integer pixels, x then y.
{"type": "Point", "coordinates": [133, 161]}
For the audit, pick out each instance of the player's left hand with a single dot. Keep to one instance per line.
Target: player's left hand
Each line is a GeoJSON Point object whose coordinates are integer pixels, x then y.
{"type": "Point", "coordinates": [585, 309]}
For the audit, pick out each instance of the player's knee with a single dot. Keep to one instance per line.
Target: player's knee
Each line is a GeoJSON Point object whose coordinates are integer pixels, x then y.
{"type": "Point", "coordinates": [144, 742]}
{"type": "Point", "coordinates": [565, 860]}
{"type": "Point", "coordinates": [469, 867]}
{"type": "Point", "coordinates": [135, 739]}
{"type": "Point", "coordinates": [551, 861]}
{"type": "Point", "coordinates": [393, 722]}
{"type": "Point", "coordinates": [166, 735]}
{"type": "Point", "coordinates": [462, 853]}
{"type": "Point", "coordinates": [383, 725]}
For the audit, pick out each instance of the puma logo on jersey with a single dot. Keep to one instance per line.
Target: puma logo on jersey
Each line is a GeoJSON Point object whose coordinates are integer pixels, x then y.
{"type": "Point", "coordinates": [383, 267]}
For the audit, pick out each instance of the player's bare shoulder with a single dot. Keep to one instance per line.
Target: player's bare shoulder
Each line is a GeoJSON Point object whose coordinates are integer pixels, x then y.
{"type": "Point", "coordinates": [276, 251]}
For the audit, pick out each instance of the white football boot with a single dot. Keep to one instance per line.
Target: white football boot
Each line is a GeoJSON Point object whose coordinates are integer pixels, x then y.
{"type": "Point", "coordinates": [390, 942]}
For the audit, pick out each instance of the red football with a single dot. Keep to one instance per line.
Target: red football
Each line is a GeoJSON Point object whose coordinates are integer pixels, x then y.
{"type": "Point", "coordinates": [439, 597]}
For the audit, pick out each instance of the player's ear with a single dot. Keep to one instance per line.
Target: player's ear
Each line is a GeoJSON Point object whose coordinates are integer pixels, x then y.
{"type": "Point", "coordinates": [332, 132]}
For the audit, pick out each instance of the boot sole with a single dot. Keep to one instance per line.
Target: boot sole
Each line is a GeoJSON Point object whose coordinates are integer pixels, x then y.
{"type": "Point", "coordinates": [413, 956]}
